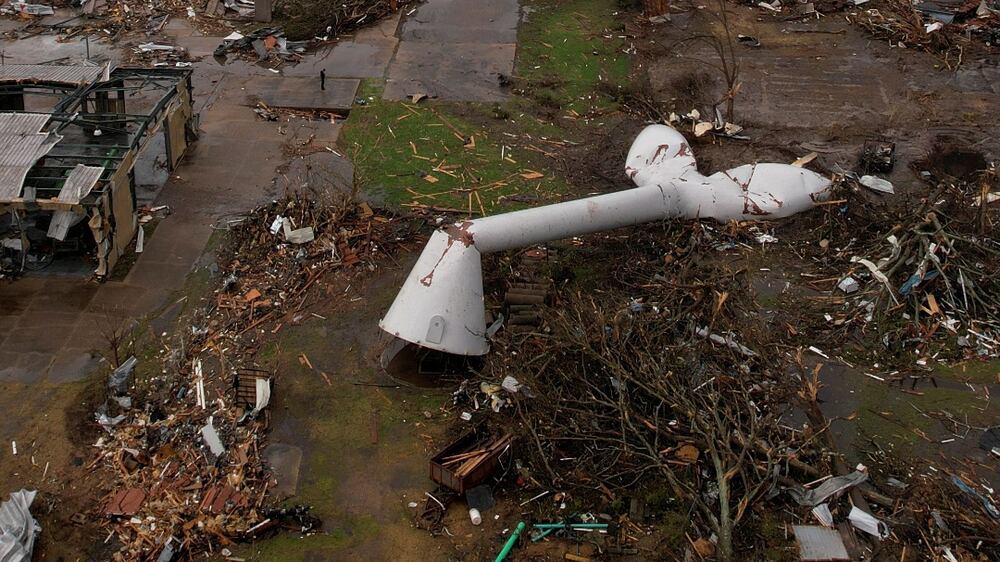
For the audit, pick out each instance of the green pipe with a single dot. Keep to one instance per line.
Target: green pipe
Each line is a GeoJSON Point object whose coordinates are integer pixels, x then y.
{"type": "Point", "coordinates": [542, 534]}
{"type": "Point", "coordinates": [510, 542]}
{"type": "Point", "coordinates": [570, 525]}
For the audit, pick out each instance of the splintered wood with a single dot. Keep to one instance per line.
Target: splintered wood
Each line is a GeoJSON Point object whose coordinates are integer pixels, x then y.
{"type": "Point", "coordinates": [470, 460]}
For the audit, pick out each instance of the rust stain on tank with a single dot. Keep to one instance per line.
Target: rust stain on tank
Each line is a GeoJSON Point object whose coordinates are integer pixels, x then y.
{"type": "Point", "coordinates": [659, 149]}
{"type": "Point", "coordinates": [456, 232]}
{"type": "Point", "coordinates": [750, 207]}
{"type": "Point", "coordinates": [460, 232]}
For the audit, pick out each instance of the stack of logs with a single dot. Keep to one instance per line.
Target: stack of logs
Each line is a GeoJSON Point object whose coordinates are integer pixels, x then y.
{"type": "Point", "coordinates": [531, 291]}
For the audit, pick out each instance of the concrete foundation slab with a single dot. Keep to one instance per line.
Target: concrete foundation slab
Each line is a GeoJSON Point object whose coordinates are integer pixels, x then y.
{"type": "Point", "coordinates": [449, 71]}
{"type": "Point", "coordinates": [353, 59]}
{"type": "Point", "coordinates": [463, 21]}
{"type": "Point", "coordinates": [305, 93]}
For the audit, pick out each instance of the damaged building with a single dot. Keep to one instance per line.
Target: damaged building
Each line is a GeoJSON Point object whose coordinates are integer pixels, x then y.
{"type": "Point", "coordinates": [71, 140]}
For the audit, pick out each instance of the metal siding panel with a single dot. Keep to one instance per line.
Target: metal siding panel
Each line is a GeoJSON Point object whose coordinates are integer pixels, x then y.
{"type": "Point", "coordinates": [22, 123]}
{"type": "Point", "coordinates": [77, 75]}
{"type": "Point", "coordinates": [79, 183]}
{"type": "Point", "coordinates": [18, 153]}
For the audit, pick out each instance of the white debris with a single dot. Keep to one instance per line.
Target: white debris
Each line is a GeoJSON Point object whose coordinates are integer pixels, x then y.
{"type": "Point", "coordinates": [150, 47]}
{"type": "Point", "coordinates": [211, 438]}
{"type": "Point", "coordinates": [818, 351]}
{"type": "Point", "coordinates": [932, 27]}
{"type": "Point", "coordinates": [727, 341]}
{"type": "Point", "coordinates": [30, 9]}
{"type": "Point", "coordinates": [18, 529]}
{"type": "Point", "coordinates": [298, 236]}
{"type": "Point", "coordinates": [848, 285]}
{"type": "Point", "coordinates": [822, 514]}
{"type": "Point", "coordinates": [702, 127]}
{"type": "Point", "coordinates": [877, 184]}
{"type": "Point", "coordinates": [510, 384]}
{"type": "Point", "coordinates": [276, 224]}
{"type": "Point", "coordinates": [868, 523]}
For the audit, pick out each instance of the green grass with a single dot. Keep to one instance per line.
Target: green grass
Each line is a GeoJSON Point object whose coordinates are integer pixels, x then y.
{"type": "Point", "coordinates": [566, 48]}
{"type": "Point", "coordinates": [569, 63]}
{"type": "Point", "coordinates": [897, 425]}
{"type": "Point", "coordinates": [973, 370]}
{"type": "Point", "coordinates": [407, 153]}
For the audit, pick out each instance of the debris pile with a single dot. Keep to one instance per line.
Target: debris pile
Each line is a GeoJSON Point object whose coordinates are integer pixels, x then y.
{"type": "Point", "coordinates": [160, 54]}
{"type": "Point", "coordinates": [328, 20]}
{"type": "Point", "coordinates": [265, 44]}
{"type": "Point", "coordinates": [929, 275]}
{"type": "Point", "coordinates": [673, 385]}
{"type": "Point", "coordinates": [953, 30]}
{"type": "Point", "coordinates": [185, 444]}
{"type": "Point", "coordinates": [671, 380]}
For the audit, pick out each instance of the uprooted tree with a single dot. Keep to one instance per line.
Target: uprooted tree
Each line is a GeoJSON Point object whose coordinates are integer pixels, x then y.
{"type": "Point", "coordinates": [307, 18]}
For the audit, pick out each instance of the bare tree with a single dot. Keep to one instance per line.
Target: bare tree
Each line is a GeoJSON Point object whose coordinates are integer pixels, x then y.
{"type": "Point", "coordinates": [120, 334]}
{"type": "Point", "coordinates": [722, 42]}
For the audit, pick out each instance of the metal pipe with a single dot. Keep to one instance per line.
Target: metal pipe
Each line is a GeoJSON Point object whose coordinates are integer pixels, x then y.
{"type": "Point", "coordinates": [440, 305]}
{"type": "Point", "coordinates": [509, 545]}
{"type": "Point", "coordinates": [570, 525]}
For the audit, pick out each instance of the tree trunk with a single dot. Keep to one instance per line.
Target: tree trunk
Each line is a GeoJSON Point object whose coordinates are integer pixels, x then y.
{"type": "Point", "coordinates": [653, 8]}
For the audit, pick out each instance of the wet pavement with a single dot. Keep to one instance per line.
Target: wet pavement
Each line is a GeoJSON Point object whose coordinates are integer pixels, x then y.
{"type": "Point", "coordinates": [294, 92]}
{"type": "Point", "coordinates": [454, 50]}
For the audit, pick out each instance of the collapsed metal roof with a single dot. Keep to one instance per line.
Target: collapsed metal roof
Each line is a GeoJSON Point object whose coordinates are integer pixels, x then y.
{"type": "Point", "coordinates": [21, 145]}
{"type": "Point", "coordinates": [20, 123]}
{"type": "Point", "coordinates": [79, 183]}
{"type": "Point", "coordinates": [71, 150]}
{"type": "Point", "coordinates": [51, 74]}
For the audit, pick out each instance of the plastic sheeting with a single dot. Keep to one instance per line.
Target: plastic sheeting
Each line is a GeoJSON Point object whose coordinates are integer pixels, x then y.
{"type": "Point", "coordinates": [18, 529]}
{"type": "Point", "coordinates": [830, 487]}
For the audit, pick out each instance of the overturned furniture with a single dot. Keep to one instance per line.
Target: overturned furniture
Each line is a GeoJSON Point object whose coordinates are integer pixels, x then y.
{"type": "Point", "coordinates": [440, 305]}
{"type": "Point", "coordinates": [69, 144]}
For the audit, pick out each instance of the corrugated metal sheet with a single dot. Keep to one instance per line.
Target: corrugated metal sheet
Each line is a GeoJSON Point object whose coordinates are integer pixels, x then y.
{"type": "Point", "coordinates": [61, 222]}
{"type": "Point", "coordinates": [819, 543]}
{"type": "Point", "coordinates": [18, 153]}
{"type": "Point", "coordinates": [20, 123]}
{"type": "Point", "coordinates": [74, 75]}
{"type": "Point", "coordinates": [79, 183]}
